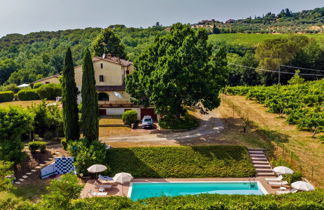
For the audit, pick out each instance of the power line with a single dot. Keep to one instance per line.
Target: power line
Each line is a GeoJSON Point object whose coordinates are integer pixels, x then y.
{"type": "Point", "coordinates": [281, 72]}
{"type": "Point", "coordinates": [308, 69]}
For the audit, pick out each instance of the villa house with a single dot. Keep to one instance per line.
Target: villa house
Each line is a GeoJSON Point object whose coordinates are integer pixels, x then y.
{"type": "Point", "coordinates": [110, 73]}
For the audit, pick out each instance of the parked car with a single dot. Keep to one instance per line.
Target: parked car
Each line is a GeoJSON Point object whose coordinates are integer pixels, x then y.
{"type": "Point", "coordinates": [147, 122]}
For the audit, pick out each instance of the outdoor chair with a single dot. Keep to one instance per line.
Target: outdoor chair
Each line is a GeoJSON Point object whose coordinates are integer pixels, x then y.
{"type": "Point", "coordinates": [286, 192]}
{"type": "Point", "coordinates": [279, 178]}
{"type": "Point", "coordinates": [278, 184]}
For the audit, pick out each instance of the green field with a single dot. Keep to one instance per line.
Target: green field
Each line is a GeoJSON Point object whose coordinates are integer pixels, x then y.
{"type": "Point", "coordinates": [251, 40]}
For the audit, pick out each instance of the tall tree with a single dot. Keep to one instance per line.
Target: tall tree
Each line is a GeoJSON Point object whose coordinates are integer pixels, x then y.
{"type": "Point", "coordinates": [69, 99]}
{"type": "Point", "coordinates": [90, 123]}
{"type": "Point", "coordinates": [108, 43]}
{"type": "Point", "coordinates": [178, 70]}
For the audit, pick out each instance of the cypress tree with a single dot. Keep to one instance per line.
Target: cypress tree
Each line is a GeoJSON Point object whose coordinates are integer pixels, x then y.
{"type": "Point", "coordinates": [90, 123]}
{"type": "Point", "coordinates": [69, 99]}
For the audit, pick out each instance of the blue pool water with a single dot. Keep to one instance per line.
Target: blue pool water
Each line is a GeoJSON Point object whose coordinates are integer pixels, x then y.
{"type": "Point", "coordinates": [147, 190]}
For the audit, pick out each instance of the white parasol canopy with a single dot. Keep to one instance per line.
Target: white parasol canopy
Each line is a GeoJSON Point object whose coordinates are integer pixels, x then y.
{"type": "Point", "coordinates": [23, 85]}
{"type": "Point", "coordinates": [97, 168]}
{"type": "Point", "coordinates": [123, 178]}
{"type": "Point", "coordinates": [301, 185]}
{"type": "Point", "coordinates": [283, 170]}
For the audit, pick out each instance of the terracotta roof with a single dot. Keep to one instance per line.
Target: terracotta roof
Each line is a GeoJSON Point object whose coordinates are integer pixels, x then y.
{"type": "Point", "coordinates": [113, 59]}
{"type": "Point", "coordinates": [45, 78]}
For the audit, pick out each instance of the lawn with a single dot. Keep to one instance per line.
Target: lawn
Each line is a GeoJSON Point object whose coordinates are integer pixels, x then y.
{"type": "Point", "coordinates": [182, 161]}
{"type": "Point", "coordinates": [251, 40]}
{"type": "Point", "coordinates": [22, 103]}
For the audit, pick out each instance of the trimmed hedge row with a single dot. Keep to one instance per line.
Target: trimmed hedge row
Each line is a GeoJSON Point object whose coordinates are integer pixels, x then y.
{"type": "Point", "coordinates": [301, 200]}
{"type": "Point", "coordinates": [182, 161]}
{"type": "Point", "coordinates": [35, 145]}
{"type": "Point", "coordinates": [28, 94]}
{"type": "Point", "coordinates": [6, 96]}
{"type": "Point", "coordinates": [48, 91]}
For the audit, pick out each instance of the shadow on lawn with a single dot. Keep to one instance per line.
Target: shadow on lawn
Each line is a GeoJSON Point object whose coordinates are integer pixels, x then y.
{"type": "Point", "coordinates": [124, 160]}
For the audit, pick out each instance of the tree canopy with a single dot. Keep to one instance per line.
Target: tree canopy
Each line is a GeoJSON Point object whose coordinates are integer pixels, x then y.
{"type": "Point", "coordinates": [177, 70]}
{"type": "Point", "coordinates": [108, 43]}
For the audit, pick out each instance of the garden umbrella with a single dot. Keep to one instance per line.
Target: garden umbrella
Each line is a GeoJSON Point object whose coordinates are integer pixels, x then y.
{"type": "Point", "coordinates": [97, 168]}
{"type": "Point", "coordinates": [123, 178]}
{"type": "Point", "coordinates": [283, 170]}
{"type": "Point", "coordinates": [301, 185]}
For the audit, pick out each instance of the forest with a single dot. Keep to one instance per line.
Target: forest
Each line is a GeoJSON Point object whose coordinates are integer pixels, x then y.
{"type": "Point", "coordinates": [27, 58]}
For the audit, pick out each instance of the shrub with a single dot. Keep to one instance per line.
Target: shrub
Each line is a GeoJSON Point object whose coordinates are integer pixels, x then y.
{"type": "Point", "coordinates": [129, 117]}
{"type": "Point", "coordinates": [5, 170]}
{"type": "Point", "coordinates": [11, 201]}
{"type": "Point", "coordinates": [61, 192]}
{"type": "Point", "coordinates": [87, 153]}
{"type": "Point", "coordinates": [49, 91]}
{"type": "Point", "coordinates": [28, 94]}
{"type": "Point", "coordinates": [14, 122]}
{"type": "Point", "coordinates": [300, 200]}
{"type": "Point", "coordinates": [47, 119]}
{"type": "Point", "coordinates": [186, 122]}
{"type": "Point", "coordinates": [37, 85]}
{"type": "Point", "coordinates": [181, 161]}
{"type": "Point", "coordinates": [37, 145]}
{"type": "Point", "coordinates": [290, 178]}
{"type": "Point", "coordinates": [6, 96]}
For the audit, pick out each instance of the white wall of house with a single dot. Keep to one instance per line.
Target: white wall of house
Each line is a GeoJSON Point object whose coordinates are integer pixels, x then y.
{"type": "Point", "coordinates": [120, 111]}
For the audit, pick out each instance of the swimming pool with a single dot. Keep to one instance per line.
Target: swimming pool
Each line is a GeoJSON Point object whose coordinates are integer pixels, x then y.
{"type": "Point", "coordinates": [141, 190]}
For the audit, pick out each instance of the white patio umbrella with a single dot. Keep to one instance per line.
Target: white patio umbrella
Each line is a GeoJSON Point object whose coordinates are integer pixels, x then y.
{"type": "Point", "coordinates": [23, 85]}
{"type": "Point", "coordinates": [283, 170]}
{"type": "Point", "coordinates": [301, 185]}
{"type": "Point", "coordinates": [96, 168]}
{"type": "Point", "coordinates": [123, 178]}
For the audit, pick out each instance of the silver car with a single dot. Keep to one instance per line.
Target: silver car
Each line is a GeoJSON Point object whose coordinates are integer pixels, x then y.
{"type": "Point", "coordinates": [147, 122]}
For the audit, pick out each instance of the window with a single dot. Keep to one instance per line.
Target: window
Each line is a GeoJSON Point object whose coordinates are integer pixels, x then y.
{"type": "Point", "coordinates": [103, 97]}
{"type": "Point", "coordinates": [101, 65]}
{"type": "Point", "coordinates": [101, 78]}
{"type": "Point", "coordinates": [127, 72]}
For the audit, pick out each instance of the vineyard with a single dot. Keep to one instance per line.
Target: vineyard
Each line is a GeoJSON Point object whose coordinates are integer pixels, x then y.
{"type": "Point", "coordinates": [302, 103]}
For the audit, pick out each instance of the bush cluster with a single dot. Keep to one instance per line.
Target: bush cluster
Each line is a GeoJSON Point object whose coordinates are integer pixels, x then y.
{"type": "Point", "coordinates": [6, 96]}
{"type": "Point", "coordinates": [301, 200]}
{"type": "Point", "coordinates": [28, 94]}
{"type": "Point", "coordinates": [87, 153]}
{"type": "Point", "coordinates": [129, 117]}
{"type": "Point", "coordinates": [181, 161]}
{"type": "Point", "coordinates": [49, 91]}
{"type": "Point", "coordinates": [37, 145]}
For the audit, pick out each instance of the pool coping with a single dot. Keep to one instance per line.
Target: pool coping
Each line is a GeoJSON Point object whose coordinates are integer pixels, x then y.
{"type": "Point", "coordinates": [260, 185]}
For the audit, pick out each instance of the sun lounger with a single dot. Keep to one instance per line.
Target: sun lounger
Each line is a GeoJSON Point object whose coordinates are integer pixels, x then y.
{"type": "Point", "coordinates": [97, 193]}
{"type": "Point", "coordinates": [286, 192]}
{"type": "Point", "coordinates": [278, 183]}
{"type": "Point", "coordinates": [102, 185]}
{"type": "Point", "coordinates": [106, 180]}
{"type": "Point", "coordinates": [279, 178]}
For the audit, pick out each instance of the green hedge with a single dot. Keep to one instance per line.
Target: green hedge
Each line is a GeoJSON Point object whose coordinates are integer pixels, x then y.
{"type": "Point", "coordinates": [6, 96]}
{"type": "Point", "coordinates": [49, 91]}
{"type": "Point", "coordinates": [301, 200]}
{"type": "Point", "coordinates": [129, 117]}
{"type": "Point", "coordinates": [37, 145]}
{"type": "Point", "coordinates": [182, 161]}
{"type": "Point", "coordinates": [28, 94]}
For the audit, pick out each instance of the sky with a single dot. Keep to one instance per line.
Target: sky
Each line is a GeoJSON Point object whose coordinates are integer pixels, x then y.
{"type": "Point", "coordinates": [25, 16]}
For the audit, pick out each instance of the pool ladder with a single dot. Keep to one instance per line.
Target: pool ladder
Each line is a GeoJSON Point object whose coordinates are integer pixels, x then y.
{"type": "Point", "coordinates": [252, 182]}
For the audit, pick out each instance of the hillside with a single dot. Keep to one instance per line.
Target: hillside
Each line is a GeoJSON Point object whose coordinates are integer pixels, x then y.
{"type": "Point", "coordinates": [306, 21]}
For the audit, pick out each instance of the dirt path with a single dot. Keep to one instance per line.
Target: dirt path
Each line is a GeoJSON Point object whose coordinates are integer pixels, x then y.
{"type": "Point", "coordinates": [301, 150]}
{"type": "Point", "coordinates": [210, 125]}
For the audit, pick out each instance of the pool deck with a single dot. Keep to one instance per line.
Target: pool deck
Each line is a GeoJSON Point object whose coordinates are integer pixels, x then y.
{"type": "Point", "coordinates": [122, 190]}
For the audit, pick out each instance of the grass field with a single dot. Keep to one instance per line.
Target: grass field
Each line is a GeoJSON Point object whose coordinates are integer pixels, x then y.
{"type": "Point", "coordinates": [251, 40]}
{"type": "Point", "coordinates": [23, 104]}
